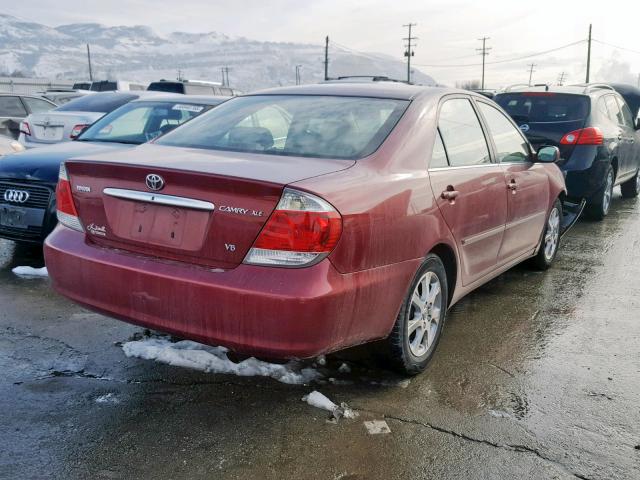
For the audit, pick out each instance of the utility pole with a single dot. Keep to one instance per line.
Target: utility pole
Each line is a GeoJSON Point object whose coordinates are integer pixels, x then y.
{"type": "Point", "coordinates": [589, 53]}
{"type": "Point", "coordinates": [484, 51]}
{"type": "Point", "coordinates": [225, 76]}
{"type": "Point", "coordinates": [561, 78]}
{"type": "Point", "coordinates": [298, 79]}
{"type": "Point", "coordinates": [408, 52]}
{"type": "Point", "coordinates": [180, 77]}
{"type": "Point", "coordinates": [531, 70]}
{"type": "Point", "coordinates": [326, 58]}
{"type": "Point", "coordinates": [89, 59]}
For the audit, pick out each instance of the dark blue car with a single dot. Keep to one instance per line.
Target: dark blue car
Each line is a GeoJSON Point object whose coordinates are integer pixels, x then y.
{"type": "Point", "coordinates": [28, 179]}
{"type": "Point", "coordinates": [596, 133]}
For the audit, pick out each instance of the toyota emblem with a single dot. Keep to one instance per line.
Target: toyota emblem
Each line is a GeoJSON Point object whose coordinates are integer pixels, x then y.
{"type": "Point", "coordinates": [16, 196]}
{"type": "Point", "coordinates": [154, 182]}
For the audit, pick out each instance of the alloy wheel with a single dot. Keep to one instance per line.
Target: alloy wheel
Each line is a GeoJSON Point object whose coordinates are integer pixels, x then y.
{"type": "Point", "coordinates": [425, 313]}
{"type": "Point", "coordinates": [553, 234]}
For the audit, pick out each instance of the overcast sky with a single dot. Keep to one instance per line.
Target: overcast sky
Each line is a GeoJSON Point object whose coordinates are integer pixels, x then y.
{"type": "Point", "coordinates": [447, 30]}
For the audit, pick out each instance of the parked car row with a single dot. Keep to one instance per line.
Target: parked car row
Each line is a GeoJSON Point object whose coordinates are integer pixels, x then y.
{"type": "Point", "coordinates": [30, 214]}
{"type": "Point", "coordinates": [299, 221]}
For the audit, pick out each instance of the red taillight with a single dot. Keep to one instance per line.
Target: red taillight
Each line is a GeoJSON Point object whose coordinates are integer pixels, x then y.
{"type": "Point", "coordinates": [584, 136]}
{"type": "Point", "coordinates": [66, 209]}
{"type": "Point", "coordinates": [77, 130]}
{"type": "Point", "coordinates": [302, 230]}
{"type": "Point", "coordinates": [25, 128]}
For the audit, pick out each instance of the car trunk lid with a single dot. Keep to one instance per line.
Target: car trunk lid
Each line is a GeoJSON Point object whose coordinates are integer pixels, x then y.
{"type": "Point", "coordinates": [53, 127]}
{"type": "Point", "coordinates": [209, 211]}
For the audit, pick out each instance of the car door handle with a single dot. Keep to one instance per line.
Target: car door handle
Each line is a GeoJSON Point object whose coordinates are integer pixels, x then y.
{"type": "Point", "coordinates": [449, 194]}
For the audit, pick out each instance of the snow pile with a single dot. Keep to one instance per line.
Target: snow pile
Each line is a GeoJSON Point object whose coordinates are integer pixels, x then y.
{"type": "Point", "coordinates": [31, 272]}
{"type": "Point", "coordinates": [318, 400]}
{"type": "Point", "coordinates": [377, 427]}
{"type": "Point", "coordinates": [194, 355]}
{"type": "Point", "coordinates": [108, 398]}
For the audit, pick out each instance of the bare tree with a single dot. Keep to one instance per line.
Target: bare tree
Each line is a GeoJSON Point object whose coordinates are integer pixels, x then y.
{"type": "Point", "coordinates": [468, 84]}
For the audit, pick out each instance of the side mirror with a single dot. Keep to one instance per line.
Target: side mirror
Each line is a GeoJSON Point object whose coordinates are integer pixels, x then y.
{"type": "Point", "coordinates": [548, 154]}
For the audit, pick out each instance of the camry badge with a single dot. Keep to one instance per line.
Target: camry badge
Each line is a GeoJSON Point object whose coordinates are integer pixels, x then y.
{"type": "Point", "coordinates": [16, 196]}
{"type": "Point", "coordinates": [154, 182]}
{"type": "Point", "coordinates": [524, 127]}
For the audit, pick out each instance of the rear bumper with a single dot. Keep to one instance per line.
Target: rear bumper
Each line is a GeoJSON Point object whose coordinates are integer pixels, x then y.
{"type": "Point", "coordinates": [263, 311]}
{"type": "Point", "coordinates": [585, 171]}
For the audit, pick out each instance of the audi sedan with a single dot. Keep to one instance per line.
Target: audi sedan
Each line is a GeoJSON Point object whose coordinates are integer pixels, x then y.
{"type": "Point", "coordinates": [299, 221]}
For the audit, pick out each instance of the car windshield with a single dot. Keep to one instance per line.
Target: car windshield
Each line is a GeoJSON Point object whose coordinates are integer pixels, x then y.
{"type": "Point", "coordinates": [97, 102]}
{"type": "Point", "coordinates": [139, 122]}
{"type": "Point", "coordinates": [549, 107]}
{"type": "Point", "coordinates": [296, 125]}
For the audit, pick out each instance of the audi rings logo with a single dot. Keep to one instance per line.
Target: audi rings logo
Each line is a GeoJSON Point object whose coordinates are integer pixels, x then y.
{"type": "Point", "coordinates": [154, 182]}
{"type": "Point", "coordinates": [16, 196]}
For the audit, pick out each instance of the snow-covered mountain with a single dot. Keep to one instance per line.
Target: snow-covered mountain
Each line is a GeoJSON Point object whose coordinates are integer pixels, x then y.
{"type": "Point", "coordinates": [138, 53]}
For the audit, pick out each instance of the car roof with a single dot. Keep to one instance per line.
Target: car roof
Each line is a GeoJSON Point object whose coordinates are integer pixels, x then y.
{"type": "Point", "coordinates": [578, 89]}
{"type": "Point", "coordinates": [393, 90]}
{"type": "Point", "coordinates": [180, 98]}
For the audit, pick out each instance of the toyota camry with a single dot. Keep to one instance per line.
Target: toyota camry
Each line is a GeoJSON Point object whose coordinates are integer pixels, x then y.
{"type": "Point", "coordinates": [299, 221]}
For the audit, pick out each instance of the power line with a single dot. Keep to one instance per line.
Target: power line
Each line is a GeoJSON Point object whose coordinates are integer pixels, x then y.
{"type": "Point", "coordinates": [615, 46]}
{"type": "Point", "coordinates": [408, 52]}
{"type": "Point", "coordinates": [508, 60]}
{"type": "Point", "coordinates": [484, 51]}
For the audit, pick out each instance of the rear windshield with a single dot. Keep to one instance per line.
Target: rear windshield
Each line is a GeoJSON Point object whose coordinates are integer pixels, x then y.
{"type": "Point", "coordinates": [97, 102]}
{"type": "Point", "coordinates": [547, 107]}
{"type": "Point", "coordinates": [296, 125]}
{"type": "Point", "coordinates": [140, 122]}
{"type": "Point", "coordinates": [171, 87]}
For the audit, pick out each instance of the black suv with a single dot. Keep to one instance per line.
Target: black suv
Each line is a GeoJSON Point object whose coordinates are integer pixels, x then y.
{"type": "Point", "coordinates": [595, 131]}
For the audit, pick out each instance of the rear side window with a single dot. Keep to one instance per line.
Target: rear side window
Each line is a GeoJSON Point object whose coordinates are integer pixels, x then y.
{"type": "Point", "coordinates": [37, 106]}
{"type": "Point", "coordinates": [510, 144]}
{"type": "Point", "coordinates": [615, 114]}
{"type": "Point", "coordinates": [439, 155]}
{"type": "Point", "coordinates": [97, 102]}
{"type": "Point", "coordinates": [462, 134]}
{"type": "Point", "coordinates": [626, 113]}
{"type": "Point", "coordinates": [11, 107]}
{"type": "Point", "coordinates": [544, 107]}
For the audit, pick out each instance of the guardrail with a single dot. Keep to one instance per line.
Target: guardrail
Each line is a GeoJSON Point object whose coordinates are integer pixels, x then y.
{"type": "Point", "coordinates": [30, 85]}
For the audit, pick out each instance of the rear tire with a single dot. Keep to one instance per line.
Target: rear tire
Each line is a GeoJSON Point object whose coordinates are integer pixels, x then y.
{"type": "Point", "coordinates": [598, 207]}
{"type": "Point", "coordinates": [419, 324]}
{"type": "Point", "coordinates": [631, 188]}
{"type": "Point", "coordinates": [548, 248]}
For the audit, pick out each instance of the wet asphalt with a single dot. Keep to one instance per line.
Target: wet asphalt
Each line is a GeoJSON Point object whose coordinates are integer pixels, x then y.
{"type": "Point", "coordinates": [537, 376]}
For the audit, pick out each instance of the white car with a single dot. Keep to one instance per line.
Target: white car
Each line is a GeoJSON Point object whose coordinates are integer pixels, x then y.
{"type": "Point", "coordinates": [66, 122]}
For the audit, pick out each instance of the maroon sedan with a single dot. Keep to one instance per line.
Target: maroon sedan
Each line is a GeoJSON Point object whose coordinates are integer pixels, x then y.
{"type": "Point", "coordinates": [300, 221]}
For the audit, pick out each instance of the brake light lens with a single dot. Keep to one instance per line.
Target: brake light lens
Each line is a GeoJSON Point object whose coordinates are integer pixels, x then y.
{"type": "Point", "coordinates": [25, 128]}
{"type": "Point", "coordinates": [65, 208]}
{"type": "Point", "coordinates": [302, 230]}
{"type": "Point", "coordinates": [77, 130]}
{"type": "Point", "coordinates": [584, 136]}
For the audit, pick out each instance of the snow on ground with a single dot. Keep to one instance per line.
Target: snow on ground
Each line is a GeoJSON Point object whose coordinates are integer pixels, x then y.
{"type": "Point", "coordinates": [318, 400]}
{"type": "Point", "coordinates": [194, 355]}
{"type": "Point", "coordinates": [30, 272]}
{"type": "Point", "coordinates": [108, 398]}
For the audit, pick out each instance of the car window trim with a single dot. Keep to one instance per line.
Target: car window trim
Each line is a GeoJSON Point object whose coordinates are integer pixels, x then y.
{"type": "Point", "coordinates": [453, 96]}
{"type": "Point", "coordinates": [508, 117]}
